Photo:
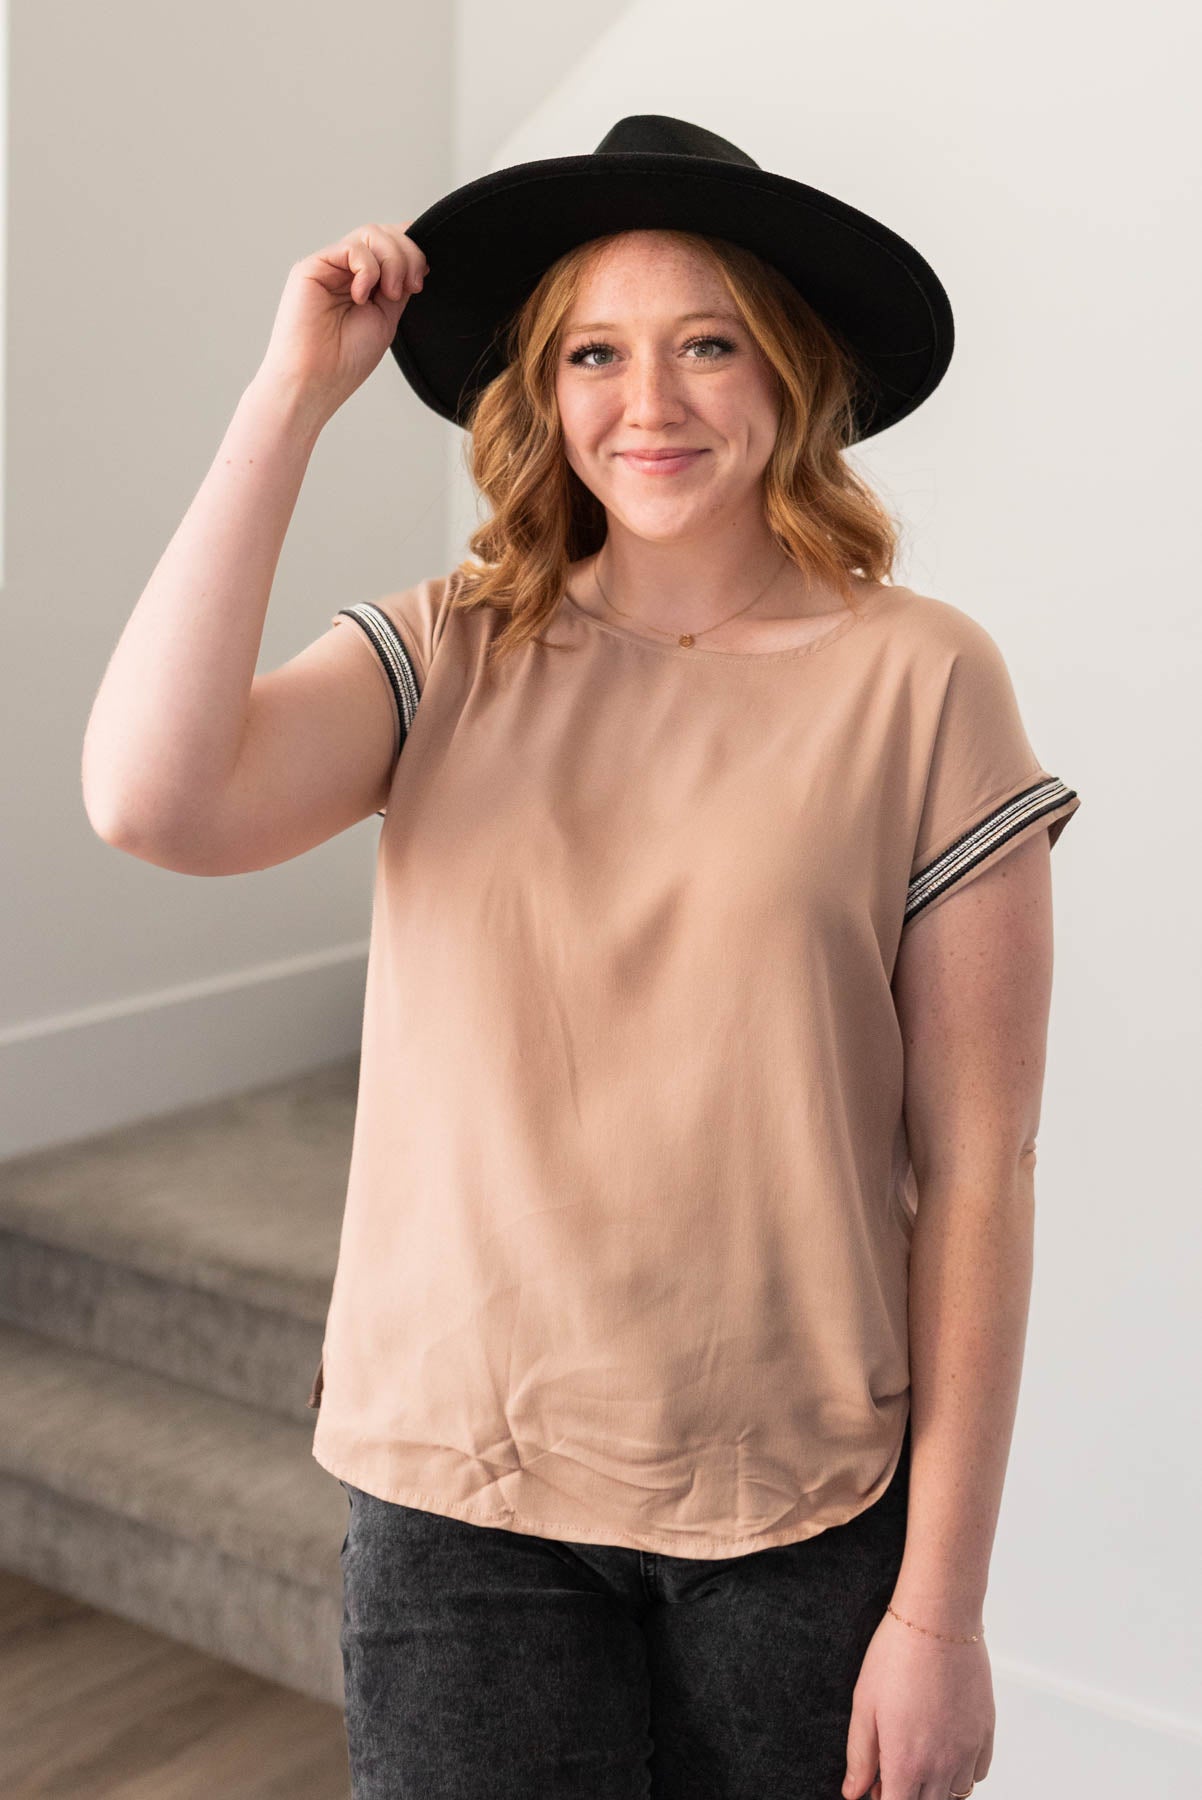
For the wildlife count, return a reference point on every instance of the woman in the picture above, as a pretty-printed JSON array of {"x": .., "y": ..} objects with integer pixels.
[{"x": 673, "y": 1352}]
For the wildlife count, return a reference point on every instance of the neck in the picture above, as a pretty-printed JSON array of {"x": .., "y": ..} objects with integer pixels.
[{"x": 685, "y": 588}]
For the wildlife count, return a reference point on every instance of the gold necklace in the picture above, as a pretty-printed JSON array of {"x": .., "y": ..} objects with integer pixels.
[{"x": 686, "y": 639}]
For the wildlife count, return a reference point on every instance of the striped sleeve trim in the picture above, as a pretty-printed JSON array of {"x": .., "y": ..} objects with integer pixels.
[
  {"x": 389, "y": 646},
  {"x": 982, "y": 839}
]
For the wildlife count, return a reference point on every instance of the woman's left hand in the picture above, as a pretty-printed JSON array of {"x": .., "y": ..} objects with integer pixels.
[{"x": 922, "y": 1717}]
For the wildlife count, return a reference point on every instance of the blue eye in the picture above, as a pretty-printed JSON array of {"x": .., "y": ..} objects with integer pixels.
[{"x": 577, "y": 356}]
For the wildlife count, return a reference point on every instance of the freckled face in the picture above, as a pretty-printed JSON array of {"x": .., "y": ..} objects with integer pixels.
[{"x": 654, "y": 357}]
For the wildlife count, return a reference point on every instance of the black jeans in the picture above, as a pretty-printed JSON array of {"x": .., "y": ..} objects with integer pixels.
[{"x": 486, "y": 1664}]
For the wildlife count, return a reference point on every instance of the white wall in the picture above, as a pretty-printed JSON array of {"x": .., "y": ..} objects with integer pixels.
[
  {"x": 1038, "y": 156},
  {"x": 168, "y": 164},
  {"x": 167, "y": 168}
]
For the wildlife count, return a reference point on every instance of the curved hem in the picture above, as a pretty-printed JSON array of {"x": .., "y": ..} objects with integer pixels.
[{"x": 702, "y": 1549}]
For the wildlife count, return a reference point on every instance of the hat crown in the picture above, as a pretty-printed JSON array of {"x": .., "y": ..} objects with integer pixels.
[{"x": 656, "y": 132}]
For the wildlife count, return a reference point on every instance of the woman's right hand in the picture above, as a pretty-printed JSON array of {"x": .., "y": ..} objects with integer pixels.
[{"x": 339, "y": 311}]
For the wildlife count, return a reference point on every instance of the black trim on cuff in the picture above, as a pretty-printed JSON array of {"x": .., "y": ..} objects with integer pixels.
[
  {"x": 389, "y": 646},
  {"x": 982, "y": 839}
]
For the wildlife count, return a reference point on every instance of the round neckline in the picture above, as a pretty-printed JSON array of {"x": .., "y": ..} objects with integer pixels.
[{"x": 697, "y": 651}]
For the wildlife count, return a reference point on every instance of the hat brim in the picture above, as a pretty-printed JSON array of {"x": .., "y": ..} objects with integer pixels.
[{"x": 488, "y": 244}]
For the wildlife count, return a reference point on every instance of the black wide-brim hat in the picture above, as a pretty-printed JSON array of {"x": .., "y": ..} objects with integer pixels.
[{"x": 489, "y": 242}]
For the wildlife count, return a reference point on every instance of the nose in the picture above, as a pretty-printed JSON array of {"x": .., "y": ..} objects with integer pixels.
[{"x": 652, "y": 394}]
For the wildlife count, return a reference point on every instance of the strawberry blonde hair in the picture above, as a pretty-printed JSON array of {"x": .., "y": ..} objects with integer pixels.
[{"x": 823, "y": 515}]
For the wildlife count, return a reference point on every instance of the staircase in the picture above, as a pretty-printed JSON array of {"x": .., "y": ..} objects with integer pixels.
[{"x": 163, "y": 1293}]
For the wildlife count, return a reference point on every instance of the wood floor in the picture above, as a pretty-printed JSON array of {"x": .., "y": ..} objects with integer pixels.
[{"x": 95, "y": 1708}]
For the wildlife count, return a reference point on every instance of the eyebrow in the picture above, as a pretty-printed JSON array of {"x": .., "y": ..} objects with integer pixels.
[{"x": 608, "y": 324}]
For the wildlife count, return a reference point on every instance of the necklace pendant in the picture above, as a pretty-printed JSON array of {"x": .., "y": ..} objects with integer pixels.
[{"x": 685, "y": 639}]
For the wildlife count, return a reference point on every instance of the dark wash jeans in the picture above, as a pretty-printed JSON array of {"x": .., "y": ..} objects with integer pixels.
[{"x": 487, "y": 1664}]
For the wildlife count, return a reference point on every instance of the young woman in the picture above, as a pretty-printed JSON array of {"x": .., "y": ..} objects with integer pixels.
[{"x": 674, "y": 1346}]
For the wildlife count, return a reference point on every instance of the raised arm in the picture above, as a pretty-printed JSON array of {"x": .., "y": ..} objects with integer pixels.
[{"x": 186, "y": 752}]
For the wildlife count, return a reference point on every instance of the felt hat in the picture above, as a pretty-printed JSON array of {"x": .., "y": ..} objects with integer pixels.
[{"x": 489, "y": 242}]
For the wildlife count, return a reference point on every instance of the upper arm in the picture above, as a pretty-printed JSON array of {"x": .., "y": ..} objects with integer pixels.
[
  {"x": 972, "y": 976},
  {"x": 972, "y": 987},
  {"x": 323, "y": 732}
]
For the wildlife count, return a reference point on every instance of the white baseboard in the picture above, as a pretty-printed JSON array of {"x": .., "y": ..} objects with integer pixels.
[
  {"x": 1061, "y": 1688},
  {"x": 77, "y": 1074},
  {"x": 1057, "y": 1736}
]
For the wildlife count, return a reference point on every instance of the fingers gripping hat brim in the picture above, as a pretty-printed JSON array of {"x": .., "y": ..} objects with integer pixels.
[{"x": 489, "y": 243}]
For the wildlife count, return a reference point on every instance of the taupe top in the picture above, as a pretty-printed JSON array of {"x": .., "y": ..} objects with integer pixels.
[{"x": 625, "y": 1249}]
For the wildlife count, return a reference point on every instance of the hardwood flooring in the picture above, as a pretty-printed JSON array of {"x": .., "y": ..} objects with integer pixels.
[{"x": 96, "y": 1708}]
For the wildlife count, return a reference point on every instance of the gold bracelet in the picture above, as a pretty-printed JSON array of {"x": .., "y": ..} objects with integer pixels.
[{"x": 976, "y": 1636}]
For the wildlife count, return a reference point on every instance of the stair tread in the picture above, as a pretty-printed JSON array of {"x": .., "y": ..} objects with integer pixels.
[
  {"x": 242, "y": 1196},
  {"x": 188, "y": 1463}
]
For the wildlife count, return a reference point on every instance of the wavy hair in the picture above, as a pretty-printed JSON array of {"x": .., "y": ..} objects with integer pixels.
[{"x": 823, "y": 515}]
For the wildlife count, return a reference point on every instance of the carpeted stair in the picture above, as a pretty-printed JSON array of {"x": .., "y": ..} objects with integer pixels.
[{"x": 163, "y": 1293}]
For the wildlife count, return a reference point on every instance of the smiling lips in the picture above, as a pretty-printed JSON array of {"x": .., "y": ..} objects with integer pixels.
[{"x": 661, "y": 462}]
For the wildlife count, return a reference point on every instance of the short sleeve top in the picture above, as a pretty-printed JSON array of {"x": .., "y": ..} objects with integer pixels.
[{"x": 624, "y": 1256}]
